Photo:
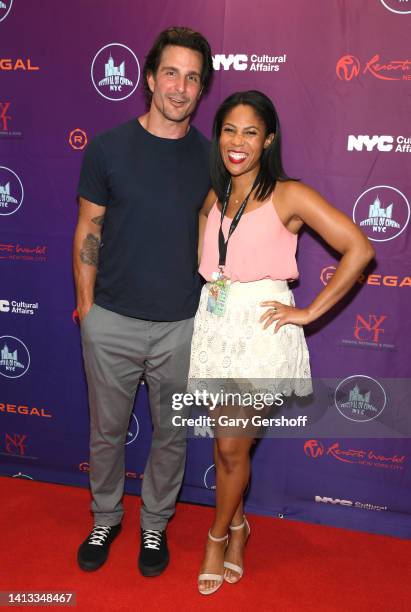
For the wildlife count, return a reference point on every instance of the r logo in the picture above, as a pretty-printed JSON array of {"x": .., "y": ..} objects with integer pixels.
[
  {"x": 347, "y": 67},
  {"x": 78, "y": 139}
]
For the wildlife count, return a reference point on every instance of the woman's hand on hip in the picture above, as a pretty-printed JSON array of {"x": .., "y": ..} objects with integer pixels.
[{"x": 283, "y": 314}]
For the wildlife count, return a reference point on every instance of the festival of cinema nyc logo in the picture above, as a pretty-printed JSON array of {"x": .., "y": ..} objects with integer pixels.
[
  {"x": 14, "y": 357},
  {"x": 360, "y": 398},
  {"x": 115, "y": 72},
  {"x": 348, "y": 67},
  {"x": 5, "y": 6},
  {"x": 401, "y": 7},
  {"x": 382, "y": 212},
  {"x": 11, "y": 191}
]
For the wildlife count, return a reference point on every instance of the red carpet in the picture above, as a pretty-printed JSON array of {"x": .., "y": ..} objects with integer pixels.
[{"x": 290, "y": 566}]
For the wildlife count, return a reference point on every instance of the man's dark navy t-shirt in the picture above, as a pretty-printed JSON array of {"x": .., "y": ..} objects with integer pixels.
[{"x": 152, "y": 189}]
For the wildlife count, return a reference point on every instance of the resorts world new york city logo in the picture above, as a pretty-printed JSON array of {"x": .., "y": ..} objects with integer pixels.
[
  {"x": 11, "y": 191},
  {"x": 115, "y": 72},
  {"x": 354, "y": 455},
  {"x": 5, "y": 7},
  {"x": 349, "y": 68}
]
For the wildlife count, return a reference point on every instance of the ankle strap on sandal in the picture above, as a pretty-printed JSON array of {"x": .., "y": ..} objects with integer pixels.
[
  {"x": 236, "y": 527},
  {"x": 217, "y": 539}
]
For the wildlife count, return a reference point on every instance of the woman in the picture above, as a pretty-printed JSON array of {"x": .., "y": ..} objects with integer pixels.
[{"x": 247, "y": 326}]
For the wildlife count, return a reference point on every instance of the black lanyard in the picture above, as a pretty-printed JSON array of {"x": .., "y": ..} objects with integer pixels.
[{"x": 222, "y": 243}]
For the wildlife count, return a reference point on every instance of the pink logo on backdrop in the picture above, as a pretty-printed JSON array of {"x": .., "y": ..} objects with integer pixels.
[
  {"x": 398, "y": 6},
  {"x": 382, "y": 212},
  {"x": 349, "y": 67},
  {"x": 314, "y": 449}
]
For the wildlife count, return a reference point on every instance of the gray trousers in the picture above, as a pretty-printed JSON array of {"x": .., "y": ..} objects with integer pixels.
[{"x": 117, "y": 351}]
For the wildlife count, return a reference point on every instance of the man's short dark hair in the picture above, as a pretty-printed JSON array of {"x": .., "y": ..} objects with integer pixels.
[{"x": 181, "y": 37}]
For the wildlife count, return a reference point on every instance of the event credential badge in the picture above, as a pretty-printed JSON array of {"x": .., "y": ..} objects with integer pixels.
[{"x": 218, "y": 294}]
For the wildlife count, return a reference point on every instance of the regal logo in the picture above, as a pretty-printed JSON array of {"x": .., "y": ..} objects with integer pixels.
[
  {"x": 24, "y": 410},
  {"x": 376, "y": 280},
  {"x": 9, "y": 64}
]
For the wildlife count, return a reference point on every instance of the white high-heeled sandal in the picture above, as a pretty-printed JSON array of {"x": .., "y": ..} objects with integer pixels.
[
  {"x": 218, "y": 577},
  {"x": 233, "y": 566}
]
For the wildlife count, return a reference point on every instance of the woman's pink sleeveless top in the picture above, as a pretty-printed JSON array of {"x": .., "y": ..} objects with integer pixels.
[{"x": 260, "y": 247}]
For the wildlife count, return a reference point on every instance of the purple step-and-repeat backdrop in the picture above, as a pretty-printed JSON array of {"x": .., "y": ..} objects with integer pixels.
[{"x": 339, "y": 72}]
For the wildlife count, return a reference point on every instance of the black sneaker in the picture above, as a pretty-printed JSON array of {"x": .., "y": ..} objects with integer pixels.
[
  {"x": 94, "y": 550},
  {"x": 154, "y": 557}
]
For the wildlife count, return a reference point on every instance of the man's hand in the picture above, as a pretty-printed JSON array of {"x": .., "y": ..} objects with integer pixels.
[{"x": 83, "y": 311}]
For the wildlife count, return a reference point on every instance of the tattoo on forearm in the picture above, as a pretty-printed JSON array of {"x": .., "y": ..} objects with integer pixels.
[
  {"x": 89, "y": 252},
  {"x": 98, "y": 220}
]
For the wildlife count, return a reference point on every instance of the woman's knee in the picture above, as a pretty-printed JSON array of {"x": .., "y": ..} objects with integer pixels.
[{"x": 232, "y": 453}]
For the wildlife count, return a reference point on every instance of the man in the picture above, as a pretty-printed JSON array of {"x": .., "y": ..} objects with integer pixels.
[{"x": 135, "y": 265}]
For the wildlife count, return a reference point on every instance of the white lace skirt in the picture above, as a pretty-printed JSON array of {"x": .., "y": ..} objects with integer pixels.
[{"x": 235, "y": 345}]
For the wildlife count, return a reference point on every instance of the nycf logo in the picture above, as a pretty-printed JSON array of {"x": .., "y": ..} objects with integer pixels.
[
  {"x": 5, "y": 6},
  {"x": 11, "y": 191},
  {"x": 15, "y": 444},
  {"x": 349, "y": 67},
  {"x": 360, "y": 398},
  {"x": 78, "y": 139},
  {"x": 115, "y": 72},
  {"x": 381, "y": 143},
  {"x": 382, "y": 212},
  {"x": 4, "y": 116},
  {"x": 401, "y": 7},
  {"x": 14, "y": 357},
  {"x": 369, "y": 329}
]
